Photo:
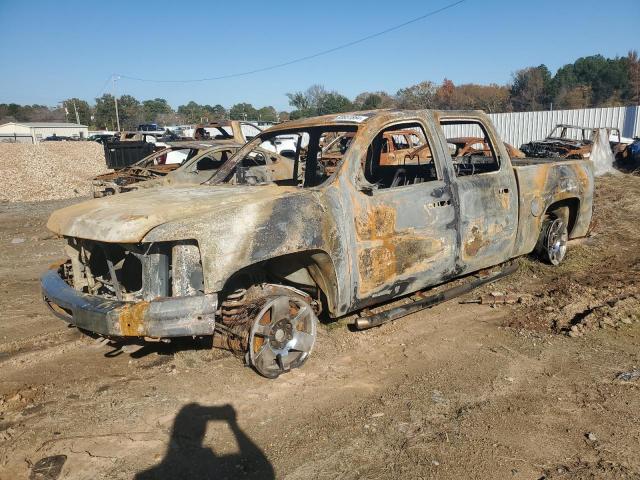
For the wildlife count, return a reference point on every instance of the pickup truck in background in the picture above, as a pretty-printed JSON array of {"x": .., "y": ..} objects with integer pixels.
[
  {"x": 253, "y": 263},
  {"x": 151, "y": 128}
]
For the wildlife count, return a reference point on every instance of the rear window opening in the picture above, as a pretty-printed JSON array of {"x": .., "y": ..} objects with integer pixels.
[{"x": 470, "y": 146}]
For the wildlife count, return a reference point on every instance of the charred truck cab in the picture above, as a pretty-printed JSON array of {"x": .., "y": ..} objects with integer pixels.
[{"x": 374, "y": 206}]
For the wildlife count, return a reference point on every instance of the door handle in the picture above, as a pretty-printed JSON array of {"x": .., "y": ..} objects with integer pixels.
[
  {"x": 441, "y": 203},
  {"x": 503, "y": 190}
]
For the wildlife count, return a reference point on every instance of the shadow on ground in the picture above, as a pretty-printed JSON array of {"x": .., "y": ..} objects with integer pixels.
[{"x": 188, "y": 458}]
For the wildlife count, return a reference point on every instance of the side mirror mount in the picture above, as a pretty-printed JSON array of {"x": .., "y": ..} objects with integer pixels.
[{"x": 367, "y": 188}]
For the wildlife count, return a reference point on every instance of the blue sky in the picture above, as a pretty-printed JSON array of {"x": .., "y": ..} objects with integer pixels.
[{"x": 50, "y": 51}]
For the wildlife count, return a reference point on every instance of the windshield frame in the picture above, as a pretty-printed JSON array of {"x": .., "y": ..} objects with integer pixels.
[
  {"x": 227, "y": 169},
  {"x": 565, "y": 129},
  {"x": 190, "y": 161}
]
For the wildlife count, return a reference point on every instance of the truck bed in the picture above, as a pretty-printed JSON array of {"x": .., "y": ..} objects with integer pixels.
[
  {"x": 523, "y": 162},
  {"x": 546, "y": 181}
]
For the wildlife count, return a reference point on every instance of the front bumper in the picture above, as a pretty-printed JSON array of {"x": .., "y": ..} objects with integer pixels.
[{"x": 161, "y": 318}]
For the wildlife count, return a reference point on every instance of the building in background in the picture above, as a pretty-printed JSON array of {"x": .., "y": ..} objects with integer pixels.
[{"x": 34, "y": 132}]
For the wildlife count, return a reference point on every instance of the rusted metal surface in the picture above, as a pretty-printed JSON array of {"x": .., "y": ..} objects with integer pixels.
[{"x": 366, "y": 230}]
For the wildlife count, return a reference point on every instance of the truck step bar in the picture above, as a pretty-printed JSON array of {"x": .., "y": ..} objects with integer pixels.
[{"x": 377, "y": 319}]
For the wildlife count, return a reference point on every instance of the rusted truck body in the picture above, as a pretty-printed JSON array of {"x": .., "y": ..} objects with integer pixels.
[{"x": 255, "y": 264}]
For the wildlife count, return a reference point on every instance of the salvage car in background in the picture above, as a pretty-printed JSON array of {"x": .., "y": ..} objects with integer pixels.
[
  {"x": 130, "y": 147},
  {"x": 253, "y": 262},
  {"x": 260, "y": 166},
  {"x": 158, "y": 164},
  {"x": 100, "y": 138},
  {"x": 572, "y": 141},
  {"x": 59, "y": 138}
]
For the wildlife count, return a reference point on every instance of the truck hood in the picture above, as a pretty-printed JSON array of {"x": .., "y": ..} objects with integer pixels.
[{"x": 128, "y": 218}]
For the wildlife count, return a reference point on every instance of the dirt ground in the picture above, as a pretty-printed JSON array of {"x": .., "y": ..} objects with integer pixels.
[{"x": 524, "y": 391}]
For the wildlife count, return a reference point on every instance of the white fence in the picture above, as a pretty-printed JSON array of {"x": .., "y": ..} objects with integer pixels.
[{"x": 522, "y": 127}]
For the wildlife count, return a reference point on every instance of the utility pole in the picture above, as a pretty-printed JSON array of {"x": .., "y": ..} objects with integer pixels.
[
  {"x": 76, "y": 109},
  {"x": 115, "y": 99},
  {"x": 64, "y": 107}
]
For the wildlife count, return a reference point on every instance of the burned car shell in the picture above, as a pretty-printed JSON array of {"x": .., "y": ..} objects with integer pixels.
[
  {"x": 227, "y": 133},
  {"x": 561, "y": 145},
  {"x": 361, "y": 246},
  {"x": 152, "y": 166}
]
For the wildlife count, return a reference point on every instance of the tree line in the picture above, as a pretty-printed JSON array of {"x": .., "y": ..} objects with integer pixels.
[
  {"x": 132, "y": 112},
  {"x": 594, "y": 81}
]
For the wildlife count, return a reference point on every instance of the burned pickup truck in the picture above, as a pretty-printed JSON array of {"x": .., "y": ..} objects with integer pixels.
[{"x": 255, "y": 263}]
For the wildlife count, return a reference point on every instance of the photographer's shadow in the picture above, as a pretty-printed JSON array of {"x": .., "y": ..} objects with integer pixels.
[{"x": 188, "y": 458}]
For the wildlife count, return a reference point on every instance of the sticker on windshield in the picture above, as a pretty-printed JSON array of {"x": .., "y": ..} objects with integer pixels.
[{"x": 351, "y": 118}]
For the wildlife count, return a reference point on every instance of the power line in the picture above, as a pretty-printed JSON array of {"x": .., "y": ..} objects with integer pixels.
[
  {"x": 307, "y": 57},
  {"x": 104, "y": 87}
]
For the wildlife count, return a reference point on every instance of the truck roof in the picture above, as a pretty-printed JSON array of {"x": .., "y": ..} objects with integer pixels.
[{"x": 359, "y": 118}]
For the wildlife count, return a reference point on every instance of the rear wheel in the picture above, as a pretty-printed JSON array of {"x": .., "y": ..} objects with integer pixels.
[{"x": 552, "y": 243}]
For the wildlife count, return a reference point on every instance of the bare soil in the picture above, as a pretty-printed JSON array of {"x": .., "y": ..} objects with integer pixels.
[{"x": 456, "y": 391}]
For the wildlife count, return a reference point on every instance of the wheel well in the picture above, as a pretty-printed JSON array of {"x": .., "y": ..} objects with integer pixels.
[
  {"x": 310, "y": 271},
  {"x": 567, "y": 210}
]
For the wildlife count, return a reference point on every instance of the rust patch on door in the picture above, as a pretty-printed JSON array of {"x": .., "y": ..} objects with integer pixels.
[
  {"x": 377, "y": 266},
  {"x": 378, "y": 223},
  {"x": 473, "y": 246}
]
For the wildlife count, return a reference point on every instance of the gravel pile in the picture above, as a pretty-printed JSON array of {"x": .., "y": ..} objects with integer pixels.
[{"x": 48, "y": 171}]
